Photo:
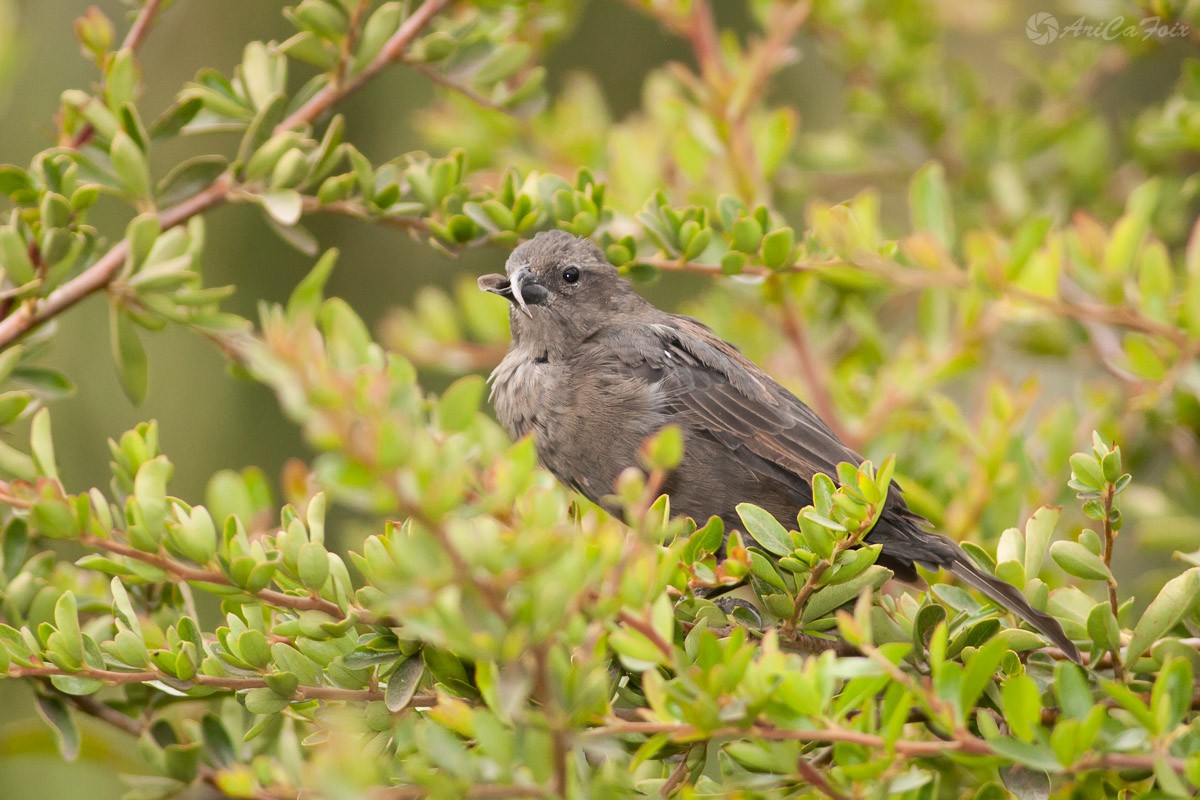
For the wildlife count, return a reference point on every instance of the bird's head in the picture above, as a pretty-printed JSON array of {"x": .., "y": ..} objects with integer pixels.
[{"x": 556, "y": 279}]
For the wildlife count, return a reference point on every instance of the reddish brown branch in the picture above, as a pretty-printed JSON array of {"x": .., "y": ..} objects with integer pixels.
[
  {"x": 141, "y": 25},
  {"x": 962, "y": 742},
  {"x": 814, "y": 374},
  {"x": 646, "y": 629},
  {"x": 323, "y": 100},
  {"x": 103, "y": 271},
  {"x": 230, "y": 684}
]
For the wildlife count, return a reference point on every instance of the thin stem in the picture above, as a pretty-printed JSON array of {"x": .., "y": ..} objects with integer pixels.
[
  {"x": 133, "y": 39},
  {"x": 141, "y": 25},
  {"x": 962, "y": 742},
  {"x": 1110, "y": 536},
  {"x": 814, "y": 373},
  {"x": 103, "y": 271},
  {"x": 350, "y": 41},
  {"x": 678, "y": 775},
  {"x": 195, "y": 574},
  {"x": 466, "y": 91},
  {"x": 817, "y": 779},
  {"x": 476, "y": 792},
  {"x": 646, "y": 629},
  {"x": 230, "y": 684},
  {"x": 559, "y": 732},
  {"x": 331, "y": 94}
]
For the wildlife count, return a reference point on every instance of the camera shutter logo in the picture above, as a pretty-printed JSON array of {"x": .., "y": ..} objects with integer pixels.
[{"x": 1042, "y": 28}]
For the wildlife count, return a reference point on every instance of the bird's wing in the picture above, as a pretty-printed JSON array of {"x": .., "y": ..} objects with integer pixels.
[{"x": 706, "y": 381}]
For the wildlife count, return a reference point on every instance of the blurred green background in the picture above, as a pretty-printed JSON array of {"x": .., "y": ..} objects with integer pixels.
[{"x": 212, "y": 422}]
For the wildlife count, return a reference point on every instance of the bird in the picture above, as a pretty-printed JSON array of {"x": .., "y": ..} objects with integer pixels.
[{"x": 593, "y": 369}]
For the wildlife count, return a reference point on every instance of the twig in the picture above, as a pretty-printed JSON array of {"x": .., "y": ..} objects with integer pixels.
[
  {"x": 103, "y": 271},
  {"x": 230, "y": 684},
  {"x": 110, "y": 716},
  {"x": 461, "y": 88},
  {"x": 477, "y": 792},
  {"x": 321, "y": 102},
  {"x": 962, "y": 742},
  {"x": 814, "y": 374},
  {"x": 141, "y": 25},
  {"x": 646, "y": 629},
  {"x": 133, "y": 39},
  {"x": 677, "y": 776},
  {"x": 559, "y": 733},
  {"x": 1110, "y": 536},
  {"x": 350, "y": 41},
  {"x": 186, "y": 573},
  {"x": 817, "y": 779}
]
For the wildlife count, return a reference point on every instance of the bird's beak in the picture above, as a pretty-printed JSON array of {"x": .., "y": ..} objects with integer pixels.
[{"x": 522, "y": 288}]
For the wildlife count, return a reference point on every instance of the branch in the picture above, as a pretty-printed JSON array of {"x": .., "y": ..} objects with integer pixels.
[
  {"x": 962, "y": 742},
  {"x": 476, "y": 792},
  {"x": 646, "y": 629},
  {"x": 186, "y": 573},
  {"x": 1075, "y": 305},
  {"x": 141, "y": 25},
  {"x": 101, "y": 273},
  {"x": 229, "y": 684},
  {"x": 466, "y": 91},
  {"x": 331, "y": 94},
  {"x": 133, "y": 39},
  {"x": 1110, "y": 536},
  {"x": 350, "y": 41},
  {"x": 810, "y": 366},
  {"x": 817, "y": 778}
]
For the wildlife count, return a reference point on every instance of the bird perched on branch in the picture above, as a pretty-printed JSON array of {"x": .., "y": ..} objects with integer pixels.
[{"x": 594, "y": 369}]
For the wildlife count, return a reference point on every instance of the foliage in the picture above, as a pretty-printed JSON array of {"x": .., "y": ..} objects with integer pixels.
[{"x": 495, "y": 635}]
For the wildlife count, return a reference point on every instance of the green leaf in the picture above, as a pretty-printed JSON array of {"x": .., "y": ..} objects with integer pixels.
[
  {"x": 1177, "y": 596},
  {"x": 1102, "y": 627},
  {"x": 929, "y": 204},
  {"x": 285, "y": 205},
  {"x": 42, "y": 445},
  {"x": 130, "y": 164},
  {"x": 460, "y": 402},
  {"x": 1171, "y": 697},
  {"x": 121, "y": 79},
  {"x": 1086, "y": 470},
  {"x": 217, "y": 740},
  {"x": 1039, "y": 530},
  {"x": 1035, "y": 756},
  {"x": 1077, "y": 560},
  {"x": 831, "y": 597},
  {"x": 14, "y": 257},
  {"x": 1021, "y": 701},
  {"x": 980, "y": 671},
  {"x": 66, "y": 621},
  {"x": 12, "y": 405},
  {"x": 189, "y": 177},
  {"x": 313, "y": 565},
  {"x": 765, "y": 529},
  {"x": 56, "y": 714},
  {"x": 402, "y": 684},
  {"x": 664, "y": 450},
  {"x": 264, "y": 701},
  {"x": 777, "y": 247},
  {"x": 133, "y": 368}
]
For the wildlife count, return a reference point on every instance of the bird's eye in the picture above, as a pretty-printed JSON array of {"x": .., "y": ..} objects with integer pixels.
[{"x": 571, "y": 274}]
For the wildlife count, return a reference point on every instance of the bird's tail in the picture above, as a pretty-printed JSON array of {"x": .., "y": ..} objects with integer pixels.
[{"x": 1007, "y": 595}]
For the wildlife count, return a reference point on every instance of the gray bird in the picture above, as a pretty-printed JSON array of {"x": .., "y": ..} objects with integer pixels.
[{"x": 594, "y": 369}]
